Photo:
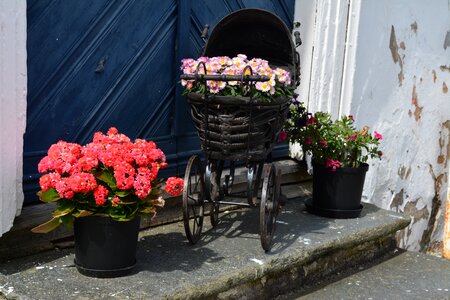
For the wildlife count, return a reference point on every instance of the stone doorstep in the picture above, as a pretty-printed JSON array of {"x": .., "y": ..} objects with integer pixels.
[
  {"x": 227, "y": 263},
  {"x": 20, "y": 241}
]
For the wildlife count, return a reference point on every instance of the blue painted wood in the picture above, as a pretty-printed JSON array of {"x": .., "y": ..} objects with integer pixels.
[{"x": 94, "y": 64}]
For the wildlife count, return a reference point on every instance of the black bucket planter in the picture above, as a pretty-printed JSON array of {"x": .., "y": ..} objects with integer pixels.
[
  {"x": 337, "y": 194},
  {"x": 104, "y": 247}
]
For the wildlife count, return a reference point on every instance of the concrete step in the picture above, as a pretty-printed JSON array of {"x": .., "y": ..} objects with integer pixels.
[
  {"x": 227, "y": 263},
  {"x": 404, "y": 276}
]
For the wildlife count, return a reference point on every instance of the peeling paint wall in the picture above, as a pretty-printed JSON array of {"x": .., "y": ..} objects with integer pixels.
[
  {"x": 400, "y": 88},
  {"x": 13, "y": 93},
  {"x": 393, "y": 76}
]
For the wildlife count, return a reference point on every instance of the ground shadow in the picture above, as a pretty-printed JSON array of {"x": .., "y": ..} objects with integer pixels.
[
  {"x": 292, "y": 223},
  {"x": 171, "y": 251}
]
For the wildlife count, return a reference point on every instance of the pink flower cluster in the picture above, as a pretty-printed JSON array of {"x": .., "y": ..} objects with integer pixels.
[
  {"x": 79, "y": 169},
  {"x": 174, "y": 186},
  {"x": 224, "y": 65},
  {"x": 333, "y": 164}
]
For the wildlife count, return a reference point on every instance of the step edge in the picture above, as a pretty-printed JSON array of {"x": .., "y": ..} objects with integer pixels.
[{"x": 294, "y": 259}]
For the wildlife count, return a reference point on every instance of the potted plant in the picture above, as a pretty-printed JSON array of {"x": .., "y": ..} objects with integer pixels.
[
  {"x": 277, "y": 84},
  {"x": 339, "y": 153},
  {"x": 236, "y": 99},
  {"x": 103, "y": 188}
]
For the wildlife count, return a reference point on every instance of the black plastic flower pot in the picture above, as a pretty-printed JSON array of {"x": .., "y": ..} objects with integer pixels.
[
  {"x": 337, "y": 194},
  {"x": 104, "y": 247}
]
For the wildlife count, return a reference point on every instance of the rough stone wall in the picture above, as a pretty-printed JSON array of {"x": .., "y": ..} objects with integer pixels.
[{"x": 400, "y": 88}]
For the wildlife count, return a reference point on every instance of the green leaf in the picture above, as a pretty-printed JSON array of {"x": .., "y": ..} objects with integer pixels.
[
  {"x": 47, "y": 226},
  {"x": 148, "y": 210},
  {"x": 117, "y": 215},
  {"x": 122, "y": 193},
  {"x": 62, "y": 211},
  {"x": 124, "y": 218},
  {"x": 50, "y": 195},
  {"x": 82, "y": 213},
  {"x": 108, "y": 178},
  {"x": 67, "y": 220},
  {"x": 124, "y": 214}
]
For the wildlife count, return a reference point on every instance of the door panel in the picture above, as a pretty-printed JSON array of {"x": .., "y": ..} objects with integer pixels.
[{"x": 94, "y": 64}]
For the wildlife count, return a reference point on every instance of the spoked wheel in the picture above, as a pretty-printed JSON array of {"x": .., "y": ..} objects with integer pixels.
[
  {"x": 268, "y": 210},
  {"x": 213, "y": 175},
  {"x": 193, "y": 199}
]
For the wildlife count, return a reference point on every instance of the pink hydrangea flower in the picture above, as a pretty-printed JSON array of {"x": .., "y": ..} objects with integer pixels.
[
  {"x": 82, "y": 182},
  {"x": 49, "y": 181},
  {"x": 100, "y": 195},
  {"x": 63, "y": 189},
  {"x": 174, "y": 186}
]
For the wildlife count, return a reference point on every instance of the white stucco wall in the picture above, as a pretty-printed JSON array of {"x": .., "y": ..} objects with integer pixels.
[
  {"x": 13, "y": 90},
  {"x": 395, "y": 75},
  {"x": 400, "y": 88}
]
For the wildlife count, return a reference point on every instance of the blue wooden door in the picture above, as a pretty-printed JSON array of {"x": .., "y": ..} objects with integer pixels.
[{"x": 93, "y": 64}]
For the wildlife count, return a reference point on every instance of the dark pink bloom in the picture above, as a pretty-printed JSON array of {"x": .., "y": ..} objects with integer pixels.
[
  {"x": 323, "y": 144},
  {"x": 282, "y": 136},
  {"x": 353, "y": 137},
  {"x": 115, "y": 201},
  {"x": 378, "y": 136},
  {"x": 333, "y": 164},
  {"x": 310, "y": 120},
  {"x": 308, "y": 140}
]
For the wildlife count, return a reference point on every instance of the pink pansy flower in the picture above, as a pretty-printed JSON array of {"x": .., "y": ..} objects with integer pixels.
[{"x": 223, "y": 65}]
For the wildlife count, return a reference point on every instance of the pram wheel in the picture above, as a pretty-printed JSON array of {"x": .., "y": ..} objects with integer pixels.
[
  {"x": 268, "y": 210},
  {"x": 213, "y": 176},
  {"x": 193, "y": 199}
]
